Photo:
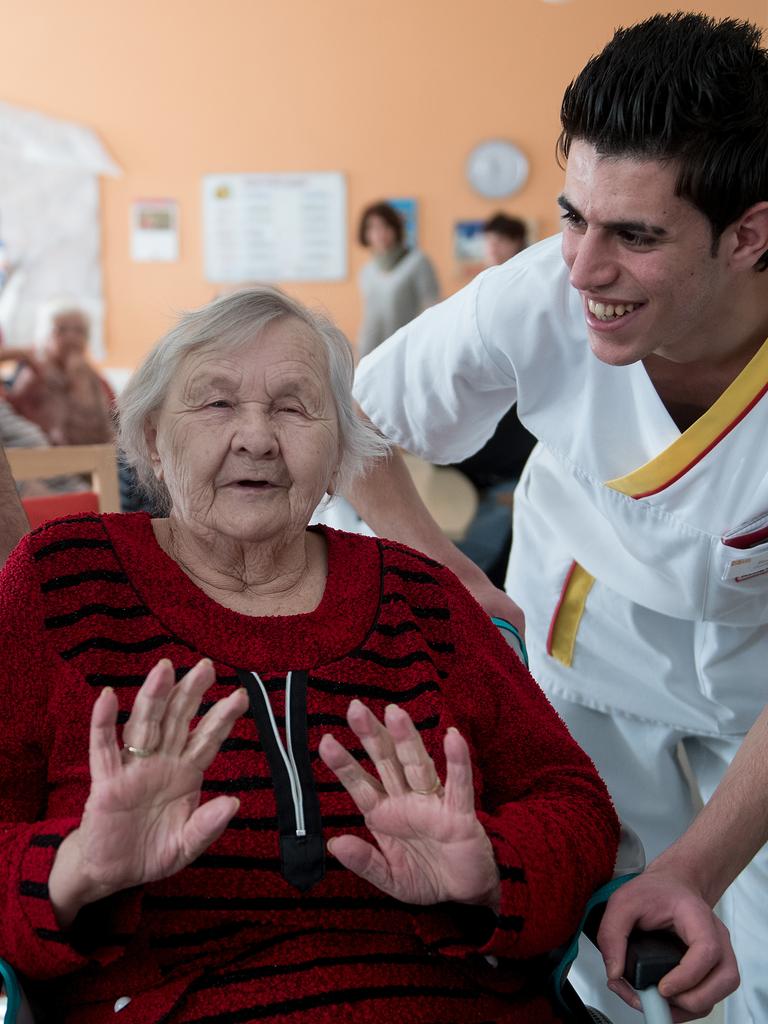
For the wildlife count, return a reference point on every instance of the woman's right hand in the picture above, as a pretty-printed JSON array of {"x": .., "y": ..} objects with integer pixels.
[{"x": 143, "y": 819}]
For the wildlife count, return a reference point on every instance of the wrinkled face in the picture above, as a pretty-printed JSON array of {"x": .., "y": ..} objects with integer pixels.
[
  {"x": 500, "y": 248},
  {"x": 69, "y": 334},
  {"x": 642, "y": 260},
  {"x": 379, "y": 235},
  {"x": 247, "y": 440}
]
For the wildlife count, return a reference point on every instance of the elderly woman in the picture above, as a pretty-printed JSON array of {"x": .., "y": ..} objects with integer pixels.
[
  {"x": 60, "y": 391},
  {"x": 317, "y": 785}
]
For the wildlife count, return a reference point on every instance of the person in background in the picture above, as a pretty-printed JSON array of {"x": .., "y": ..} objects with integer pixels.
[
  {"x": 18, "y": 432},
  {"x": 397, "y": 283},
  {"x": 503, "y": 238},
  {"x": 60, "y": 391}
]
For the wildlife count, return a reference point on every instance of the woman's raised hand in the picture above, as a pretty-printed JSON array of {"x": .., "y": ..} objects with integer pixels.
[
  {"x": 143, "y": 819},
  {"x": 431, "y": 845}
]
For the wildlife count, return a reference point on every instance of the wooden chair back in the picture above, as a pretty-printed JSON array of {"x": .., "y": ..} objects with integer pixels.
[{"x": 99, "y": 461}]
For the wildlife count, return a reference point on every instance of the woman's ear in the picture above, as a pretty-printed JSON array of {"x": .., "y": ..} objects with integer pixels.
[
  {"x": 150, "y": 436},
  {"x": 331, "y": 488},
  {"x": 750, "y": 239}
]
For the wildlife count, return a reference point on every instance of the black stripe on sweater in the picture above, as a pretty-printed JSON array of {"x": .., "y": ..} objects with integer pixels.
[
  {"x": 408, "y": 626},
  {"x": 87, "y": 517},
  {"x": 442, "y": 614},
  {"x": 39, "y": 890},
  {"x": 404, "y": 661},
  {"x": 440, "y": 647},
  {"x": 47, "y": 839},
  {"x": 236, "y": 743},
  {"x": 420, "y": 611},
  {"x": 418, "y": 556},
  {"x": 323, "y": 720},
  {"x": 242, "y": 784},
  {"x": 201, "y": 936},
  {"x": 277, "y": 903},
  {"x": 253, "y": 948},
  {"x": 369, "y": 690},
  {"x": 135, "y": 611},
  {"x": 124, "y": 680},
  {"x": 108, "y": 643},
  {"x": 75, "y": 579},
  {"x": 335, "y": 998},
  {"x": 50, "y": 935},
  {"x": 512, "y": 874},
  {"x": 72, "y": 543},
  {"x": 410, "y": 575},
  {"x": 270, "y": 970}
]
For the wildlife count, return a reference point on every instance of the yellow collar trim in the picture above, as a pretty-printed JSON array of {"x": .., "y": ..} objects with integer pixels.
[{"x": 695, "y": 442}]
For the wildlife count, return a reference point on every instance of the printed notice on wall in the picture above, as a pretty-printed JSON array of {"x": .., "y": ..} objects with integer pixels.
[
  {"x": 275, "y": 227},
  {"x": 154, "y": 231}
]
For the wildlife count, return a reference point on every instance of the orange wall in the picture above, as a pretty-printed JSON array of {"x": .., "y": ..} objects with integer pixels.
[{"x": 392, "y": 92}]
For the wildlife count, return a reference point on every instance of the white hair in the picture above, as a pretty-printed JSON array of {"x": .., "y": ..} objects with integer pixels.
[
  {"x": 92, "y": 310},
  {"x": 62, "y": 305},
  {"x": 229, "y": 322}
]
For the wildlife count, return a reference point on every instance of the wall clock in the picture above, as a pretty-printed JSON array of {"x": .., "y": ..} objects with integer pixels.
[{"x": 496, "y": 168}]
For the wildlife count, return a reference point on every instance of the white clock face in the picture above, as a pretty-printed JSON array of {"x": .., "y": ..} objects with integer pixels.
[{"x": 497, "y": 168}]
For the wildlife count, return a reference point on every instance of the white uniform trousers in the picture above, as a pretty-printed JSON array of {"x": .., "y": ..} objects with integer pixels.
[{"x": 637, "y": 759}]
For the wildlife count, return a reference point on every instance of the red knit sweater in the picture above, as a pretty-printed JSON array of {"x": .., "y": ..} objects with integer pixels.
[{"x": 91, "y": 601}]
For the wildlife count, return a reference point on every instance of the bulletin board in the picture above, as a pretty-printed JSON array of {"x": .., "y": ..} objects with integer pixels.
[{"x": 275, "y": 227}]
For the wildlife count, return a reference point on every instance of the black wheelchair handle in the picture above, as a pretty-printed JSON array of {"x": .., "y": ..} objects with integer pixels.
[{"x": 651, "y": 955}]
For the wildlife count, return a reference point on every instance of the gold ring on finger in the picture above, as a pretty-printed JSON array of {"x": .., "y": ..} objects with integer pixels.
[
  {"x": 428, "y": 792},
  {"x": 138, "y": 751}
]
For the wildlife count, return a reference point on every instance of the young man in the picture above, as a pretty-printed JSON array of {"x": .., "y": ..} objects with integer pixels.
[{"x": 635, "y": 349}]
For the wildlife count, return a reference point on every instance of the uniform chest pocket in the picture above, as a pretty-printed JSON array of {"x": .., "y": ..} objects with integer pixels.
[{"x": 737, "y": 587}]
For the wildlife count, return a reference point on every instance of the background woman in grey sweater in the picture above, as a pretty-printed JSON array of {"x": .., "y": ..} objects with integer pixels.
[{"x": 397, "y": 284}]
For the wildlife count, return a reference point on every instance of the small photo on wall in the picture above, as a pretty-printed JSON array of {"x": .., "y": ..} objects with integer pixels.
[
  {"x": 154, "y": 231},
  {"x": 468, "y": 242},
  {"x": 409, "y": 211}
]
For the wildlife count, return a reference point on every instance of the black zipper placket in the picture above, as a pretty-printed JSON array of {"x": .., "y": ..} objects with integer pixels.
[{"x": 302, "y": 850}]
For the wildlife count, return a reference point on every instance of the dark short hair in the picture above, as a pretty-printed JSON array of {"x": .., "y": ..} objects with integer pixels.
[
  {"x": 508, "y": 227},
  {"x": 388, "y": 214},
  {"x": 683, "y": 88}
]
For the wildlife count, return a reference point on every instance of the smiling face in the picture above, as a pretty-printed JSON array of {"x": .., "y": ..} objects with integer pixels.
[
  {"x": 247, "y": 440},
  {"x": 642, "y": 260}
]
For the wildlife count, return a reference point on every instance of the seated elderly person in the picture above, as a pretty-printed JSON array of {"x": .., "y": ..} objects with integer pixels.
[
  {"x": 59, "y": 390},
  {"x": 316, "y": 785}
]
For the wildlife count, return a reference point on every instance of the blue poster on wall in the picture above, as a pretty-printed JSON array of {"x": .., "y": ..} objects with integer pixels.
[{"x": 408, "y": 210}]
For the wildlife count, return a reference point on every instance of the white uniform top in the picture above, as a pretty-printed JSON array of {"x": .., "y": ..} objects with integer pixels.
[{"x": 674, "y": 628}]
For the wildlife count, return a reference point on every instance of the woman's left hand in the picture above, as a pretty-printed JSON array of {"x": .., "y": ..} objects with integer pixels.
[{"x": 431, "y": 845}]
